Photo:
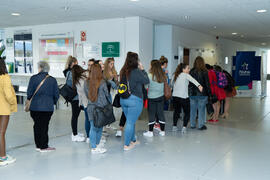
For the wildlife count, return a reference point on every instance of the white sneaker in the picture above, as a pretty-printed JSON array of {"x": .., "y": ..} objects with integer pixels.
[
  {"x": 148, "y": 134},
  {"x": 103, "y": 139},
  {"x": 80, "y": 134},
  {"x": 77, "y": 138},
  {"x": 184, "y": 130},
  {"x": 118, "y": 133},
  {"x": 162, "y": 133},
  {"x": 98, "y": 150},
  {"x": 7, "y": 160},
  {"x": 100, "y": 145},
  {"x": 174, "y": 128},
  {"x": 87, "y": 140}
]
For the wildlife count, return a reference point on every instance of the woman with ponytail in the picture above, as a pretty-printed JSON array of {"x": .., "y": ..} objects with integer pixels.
[{"x": 180, "y": 94}]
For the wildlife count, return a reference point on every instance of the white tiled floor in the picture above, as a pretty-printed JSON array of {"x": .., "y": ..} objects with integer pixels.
[{"x": 234, "y": 149}]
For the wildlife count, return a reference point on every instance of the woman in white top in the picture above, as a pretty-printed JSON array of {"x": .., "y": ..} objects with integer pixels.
[
  {"x": 180, "y": 94},
  {"x": 79, "y": 76}
]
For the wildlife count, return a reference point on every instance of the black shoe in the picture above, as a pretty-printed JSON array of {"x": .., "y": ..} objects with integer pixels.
[
  {"x": 192, "y": 127},
  {"x": 203, "y": 127}
]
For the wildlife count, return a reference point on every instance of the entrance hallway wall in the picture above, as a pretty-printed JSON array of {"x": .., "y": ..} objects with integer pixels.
[
  {"x": 131, "y": 32},
  {"x": 167, "y": 38}
]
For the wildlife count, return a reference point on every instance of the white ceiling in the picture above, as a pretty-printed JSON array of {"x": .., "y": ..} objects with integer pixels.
[{"x": 227, "y": 15}]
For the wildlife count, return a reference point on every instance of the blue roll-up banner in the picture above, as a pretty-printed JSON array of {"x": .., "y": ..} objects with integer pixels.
[
  {"x": 243, "y": 68},
  {"x": 256, "y": 72},
  {"x": 233, "y": 66}
]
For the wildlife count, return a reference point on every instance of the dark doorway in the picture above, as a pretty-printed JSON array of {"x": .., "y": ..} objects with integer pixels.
[{"x": 186, "y": 55}]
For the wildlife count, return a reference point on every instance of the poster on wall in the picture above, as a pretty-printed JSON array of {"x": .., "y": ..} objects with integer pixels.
[
  {"x": 56, "y": 51},
  {"x": 111, "y": 49},
  {"x": 92, "y": 51}
]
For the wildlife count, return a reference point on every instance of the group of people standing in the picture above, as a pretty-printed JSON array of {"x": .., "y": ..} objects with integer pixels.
[{"x": 191, "y": 91}]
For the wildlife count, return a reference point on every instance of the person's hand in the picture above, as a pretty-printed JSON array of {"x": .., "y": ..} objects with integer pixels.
[
  {"x": 140, "y": 66},
  {"x": 200, "y": 88}
]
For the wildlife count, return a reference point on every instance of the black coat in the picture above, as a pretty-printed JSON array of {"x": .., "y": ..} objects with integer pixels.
[{"x": 202, "y": 78}]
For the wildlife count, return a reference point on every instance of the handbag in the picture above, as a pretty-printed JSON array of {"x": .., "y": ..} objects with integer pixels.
[
  {"x": 167, "y": 91},
  {"x": 67, "y": 92},
  {"x": 103, "y": 116},
  {"x": 116, "y": 101},
  {"x": 28, "y": 102}
]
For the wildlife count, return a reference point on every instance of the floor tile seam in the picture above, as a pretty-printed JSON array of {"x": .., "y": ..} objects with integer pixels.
[
  {"x": 222, "y": 156},
  {"x": 257, "y": 123},
  {"x": 30, "y": 144}
]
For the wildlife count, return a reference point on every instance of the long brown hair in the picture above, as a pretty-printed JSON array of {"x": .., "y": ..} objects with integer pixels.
[
  {"x": 131, "y": 63},
  {"x": 199, "y": 64},
  {"x": 179, "y": 70},
  {"x": 3, "y": 68},
  {"x": 163, "y": 60},
  {"x": 157, "y": 72},
  {"x": 107, "y": 69},
  {"x": 94, "y": 80},
  {"x": 77, "y": 73}
]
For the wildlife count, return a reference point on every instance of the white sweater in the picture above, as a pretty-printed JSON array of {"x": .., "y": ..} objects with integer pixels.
[{"x": 180, "y": 87}]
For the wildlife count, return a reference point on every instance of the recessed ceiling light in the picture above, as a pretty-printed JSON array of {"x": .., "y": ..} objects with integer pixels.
[
  {"x": 15, "y": 14},
  {"x": 66, "y": 8},
  {"x": 261, "y": 10},
  {"x": 234, "y": 33},
  {"x": 263, "y": 44},
  {"x": 215, "y": 27},
  {"x": 134, "y": 0}
]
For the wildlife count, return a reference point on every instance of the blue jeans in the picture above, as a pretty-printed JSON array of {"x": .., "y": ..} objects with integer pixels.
[
  {"x": 132, "y": 108},
  {"x": 95, "y": 134},
  {"x": 87, "y": 123},
  {"x": 198, "y": 103}
]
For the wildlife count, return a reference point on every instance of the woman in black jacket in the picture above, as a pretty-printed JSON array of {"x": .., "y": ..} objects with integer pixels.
[{"x": 198, "y": 100}]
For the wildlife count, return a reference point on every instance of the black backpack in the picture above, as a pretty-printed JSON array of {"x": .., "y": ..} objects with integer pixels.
[{"x": 124, "y": 89}]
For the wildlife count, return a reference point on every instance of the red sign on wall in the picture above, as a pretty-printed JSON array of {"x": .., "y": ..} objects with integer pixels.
[{"x": 83, "y": 36}]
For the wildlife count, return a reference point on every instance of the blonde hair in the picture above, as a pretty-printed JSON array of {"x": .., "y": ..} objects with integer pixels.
[
  {"x": 69, "y": 62},
  {"x": 106, "y": 72}
]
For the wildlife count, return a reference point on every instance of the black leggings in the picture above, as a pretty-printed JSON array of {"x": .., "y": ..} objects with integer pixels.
[
  {"x": 75, "y": 115},
  {"x": 123, "y": 120},
  {"x": 178, "y": 104},
  {"x": 156, "y": 112}
]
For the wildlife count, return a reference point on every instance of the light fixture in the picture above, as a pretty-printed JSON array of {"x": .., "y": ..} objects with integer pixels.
[
  {"x": 215, "y": 27},
  {"x": 134, "y": 0},
  {"x": 242, "y": 36},
  {"x": 261, "y": 10},
  {"x": 234, "y": 33},
  {"x": 15, "y": 14},
  {"x": 263, "y": 44},
  {"x": 66, "y": 8}
]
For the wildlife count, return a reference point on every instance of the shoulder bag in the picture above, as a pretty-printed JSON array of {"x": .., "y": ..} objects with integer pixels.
[
  {"x": 28, "y": 102},
  {"x": 67, "y": 92},
  {"x": 103, "y": 116},
  {"x": 167, "y": 91}
]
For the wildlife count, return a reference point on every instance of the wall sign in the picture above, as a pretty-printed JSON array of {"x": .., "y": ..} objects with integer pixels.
[
  {"x": 111, "y": 49},
  {"x": 83, "y": 35}
]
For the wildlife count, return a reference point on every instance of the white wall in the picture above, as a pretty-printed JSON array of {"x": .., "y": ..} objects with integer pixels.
[
  {"x": 146, "y": 42},
  {"x": 163, "y": 44}
]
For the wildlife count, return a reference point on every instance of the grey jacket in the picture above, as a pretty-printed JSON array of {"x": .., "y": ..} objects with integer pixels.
[{"x": 102, "y": 100}]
